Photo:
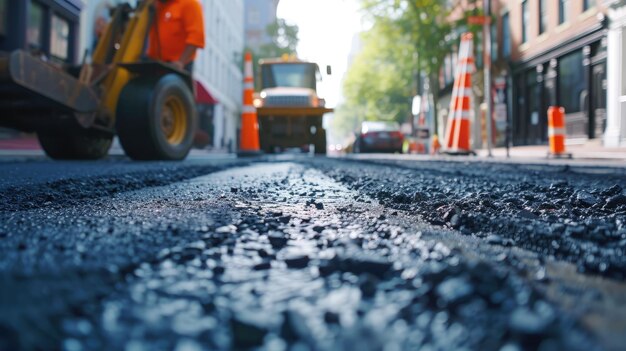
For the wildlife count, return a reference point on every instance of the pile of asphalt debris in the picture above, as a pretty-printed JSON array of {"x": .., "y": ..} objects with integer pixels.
[{"x": 580, "y": 218}]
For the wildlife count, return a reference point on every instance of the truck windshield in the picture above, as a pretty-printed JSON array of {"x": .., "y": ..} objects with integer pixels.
[{"x": 296, "y": 75}]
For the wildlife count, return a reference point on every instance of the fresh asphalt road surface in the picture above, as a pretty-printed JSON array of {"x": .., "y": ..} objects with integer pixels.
[{"x": 299, "y": 253}]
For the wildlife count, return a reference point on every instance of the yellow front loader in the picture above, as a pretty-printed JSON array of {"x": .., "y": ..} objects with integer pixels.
[{"x": 77, "y": 110}]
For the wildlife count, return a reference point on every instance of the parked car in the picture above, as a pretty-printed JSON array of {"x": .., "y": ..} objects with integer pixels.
[{"x": 379, "y": 136}]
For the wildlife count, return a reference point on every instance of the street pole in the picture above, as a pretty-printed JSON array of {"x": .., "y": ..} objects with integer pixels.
[{"x": 487, "y": 68}]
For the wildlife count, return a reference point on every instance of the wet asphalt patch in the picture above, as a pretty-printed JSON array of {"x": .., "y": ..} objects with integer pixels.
[{"x": 272, "y": 256}]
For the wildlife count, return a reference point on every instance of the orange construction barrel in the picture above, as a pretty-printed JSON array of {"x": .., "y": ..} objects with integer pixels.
[{"x": 556, "y": 131}]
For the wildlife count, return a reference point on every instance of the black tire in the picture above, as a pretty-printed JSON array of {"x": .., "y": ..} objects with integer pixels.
[
  {"x": 146, "y": 108},
  {"x": 74, "y": 146},
  {"x": 320, "y": 142}
]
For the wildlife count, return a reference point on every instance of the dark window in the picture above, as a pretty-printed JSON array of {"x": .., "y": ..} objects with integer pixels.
[
  {"x": 564, "y": 11},
  {"x": 59, "y": 38},
  {"x": 4, "y": 4},
  {"x": 296, "y": 75},
  {"x": 506, "y": 36},
  {"x": 571, "y": 82},
  {"x": 494, "y": 42},
  {"x": 525, "y": 21},
  {"x": 587, "y": 4},
  {"x": 543, "y": 16},
  {"x": 532, "y": 103},
  {"x": 36, "y": 26}
]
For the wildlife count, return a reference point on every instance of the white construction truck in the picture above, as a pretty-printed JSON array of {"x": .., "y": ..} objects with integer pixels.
[{"x": 289, "y": 110}]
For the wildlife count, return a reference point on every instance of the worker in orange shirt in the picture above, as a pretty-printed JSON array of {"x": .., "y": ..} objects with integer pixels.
[{"x": 177, "y": 32}]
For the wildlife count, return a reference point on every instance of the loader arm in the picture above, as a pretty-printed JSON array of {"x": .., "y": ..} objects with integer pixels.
[{"x": 131, "y": 50}]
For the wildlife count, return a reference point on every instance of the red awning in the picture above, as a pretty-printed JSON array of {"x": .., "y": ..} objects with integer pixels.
[{"x": 203, "y": 96}]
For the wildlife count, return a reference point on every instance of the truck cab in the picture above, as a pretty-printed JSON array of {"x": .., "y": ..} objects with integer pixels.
[{"x": 289, "y": 109}]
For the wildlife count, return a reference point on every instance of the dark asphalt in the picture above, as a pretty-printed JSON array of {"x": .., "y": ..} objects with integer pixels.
[{"x": 310, "y": 254}]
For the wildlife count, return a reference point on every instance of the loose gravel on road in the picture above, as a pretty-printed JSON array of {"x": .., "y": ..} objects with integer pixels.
[{"x": 576, "y": 217}]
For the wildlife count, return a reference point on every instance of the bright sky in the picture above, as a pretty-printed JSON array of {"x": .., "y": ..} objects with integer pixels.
[{"x": 326, "y": 31}]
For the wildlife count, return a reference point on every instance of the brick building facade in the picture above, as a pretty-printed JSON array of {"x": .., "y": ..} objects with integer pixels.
[
  {"x": 558, "y": 53},
  {"x": 544, "y": 52}
]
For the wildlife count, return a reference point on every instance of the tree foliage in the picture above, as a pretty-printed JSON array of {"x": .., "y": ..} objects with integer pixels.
[
  {"x": 409, "y": 37},
  {"x": 284, "y": 40},
  {"x": 379, "y": 83}
]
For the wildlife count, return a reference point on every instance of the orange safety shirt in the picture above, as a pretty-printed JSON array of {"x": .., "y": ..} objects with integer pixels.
[{"x": 178, "y": 23}]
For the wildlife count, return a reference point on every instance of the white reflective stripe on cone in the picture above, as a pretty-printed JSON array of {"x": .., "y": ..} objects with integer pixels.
[
  {"x": 249, "y": 109},
  {"x": 248, "y": 85},
  {"x": 464, "y": 92},
  {"x": 461, "y": 115},
  {"x": 248, "y": 69},
  {"x": 556, "y": 131}
]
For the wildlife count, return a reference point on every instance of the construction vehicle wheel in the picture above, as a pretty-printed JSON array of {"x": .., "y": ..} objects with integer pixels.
[
  {"x": 69, "y": 146},
  {"x": 156, "y": 118},
  {"x": 320, "y": 142}
]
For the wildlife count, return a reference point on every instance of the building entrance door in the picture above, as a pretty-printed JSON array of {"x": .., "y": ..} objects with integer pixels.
[{"x": 597, "y": 120}]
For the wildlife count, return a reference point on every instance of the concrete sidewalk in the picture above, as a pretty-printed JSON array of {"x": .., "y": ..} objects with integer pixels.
[
  {"x": 579, "y": 151},
  {"x": 25, "y": 145},
  {"x": 589, "y": 154}
]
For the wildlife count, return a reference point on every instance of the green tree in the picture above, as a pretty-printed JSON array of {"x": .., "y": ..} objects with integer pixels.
[
  {"x": 284, "y": 40},
  {"x": 426, "y": 24},
  {"x": 378, "y": 85}
]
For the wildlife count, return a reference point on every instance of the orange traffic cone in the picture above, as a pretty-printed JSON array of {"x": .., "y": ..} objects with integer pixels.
[
  {"x": 459, "y": 128},
  {"x": 249, "y": 142},
  {"x": 556, "y": 132}
]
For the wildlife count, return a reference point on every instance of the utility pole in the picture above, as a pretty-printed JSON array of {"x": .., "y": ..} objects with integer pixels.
[{"x": 487, "y": 68}]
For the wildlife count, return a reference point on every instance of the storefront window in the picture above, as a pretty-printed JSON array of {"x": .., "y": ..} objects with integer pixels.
[
  {"x": 532, "y": 90},
  {"x": 4, "y": 4},
  {"x": 36, "y": 22},
  {"x": 571, "y": 82},
  {"x": 59, "y": 37}
]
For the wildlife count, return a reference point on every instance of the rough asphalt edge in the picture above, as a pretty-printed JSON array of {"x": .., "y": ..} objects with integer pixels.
[
  {"x": 68, "y": 192},
  {"x": 557, "y": 280},
  {"x": 448, "y": 169},
  {"x": 589, "y": 169}
]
